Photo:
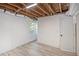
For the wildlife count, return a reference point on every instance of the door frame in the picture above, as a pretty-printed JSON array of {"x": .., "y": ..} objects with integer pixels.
[{"x": 75, "y": 31}]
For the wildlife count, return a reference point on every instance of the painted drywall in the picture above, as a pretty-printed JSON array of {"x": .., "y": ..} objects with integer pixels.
[
  {"x": 49, "y": 31},
  {"x": 14, "y": 31}
]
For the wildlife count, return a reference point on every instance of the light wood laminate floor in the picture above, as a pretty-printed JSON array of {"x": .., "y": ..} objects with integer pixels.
[{"x": 36, "y": 49}]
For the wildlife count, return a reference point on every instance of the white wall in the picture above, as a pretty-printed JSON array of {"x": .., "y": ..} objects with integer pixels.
[
  {"x": 49, "y": 30},
  {"x": 14, "y": 31}
]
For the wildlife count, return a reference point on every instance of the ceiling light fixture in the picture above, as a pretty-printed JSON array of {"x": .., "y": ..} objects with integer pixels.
[{"x": 31, "y": 5}]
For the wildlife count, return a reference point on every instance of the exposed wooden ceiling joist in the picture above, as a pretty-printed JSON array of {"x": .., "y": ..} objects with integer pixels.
[
  {"x": 29, "y": 10},
  {"x": 7, "y": 6},
  {"x": 60, "y": 8},
  {"x": 10, "y": 7},
  {"x": 19, "y": 8},
  {"x": 40, "y": 10},
  {"x": 37, "y": 12},
  {"x": 49, "y": 9}
]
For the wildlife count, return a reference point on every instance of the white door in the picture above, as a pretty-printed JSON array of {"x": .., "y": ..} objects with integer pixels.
[{"x": 67, "y": 40}]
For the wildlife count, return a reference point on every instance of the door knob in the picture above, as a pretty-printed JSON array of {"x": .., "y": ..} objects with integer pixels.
[{"x": 61, "y": 35}]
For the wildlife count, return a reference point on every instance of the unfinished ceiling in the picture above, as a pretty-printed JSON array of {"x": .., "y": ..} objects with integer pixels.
[{"x": 40, "y": 10}]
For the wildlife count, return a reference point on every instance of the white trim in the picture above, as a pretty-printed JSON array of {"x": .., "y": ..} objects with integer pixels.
[{"x": 75, "y": 33}]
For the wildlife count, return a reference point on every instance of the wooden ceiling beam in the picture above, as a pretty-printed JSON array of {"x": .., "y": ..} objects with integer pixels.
[
  {"x": 50, "y": 9},
  {"x": 42, "y": 9},
  {"x": 37, "y": 12},
  {"x": 19, "y": 8},
  {"x": 24, "y": 9},
  {"x": 60, "y": 8},
  {"x": 29, "y": 10},
  {"x": 34, "y": 10},
  {"x": 11, "y": 8}
]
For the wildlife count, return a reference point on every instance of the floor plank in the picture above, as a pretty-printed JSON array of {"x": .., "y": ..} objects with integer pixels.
[{"x": 36, "y": 49}]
